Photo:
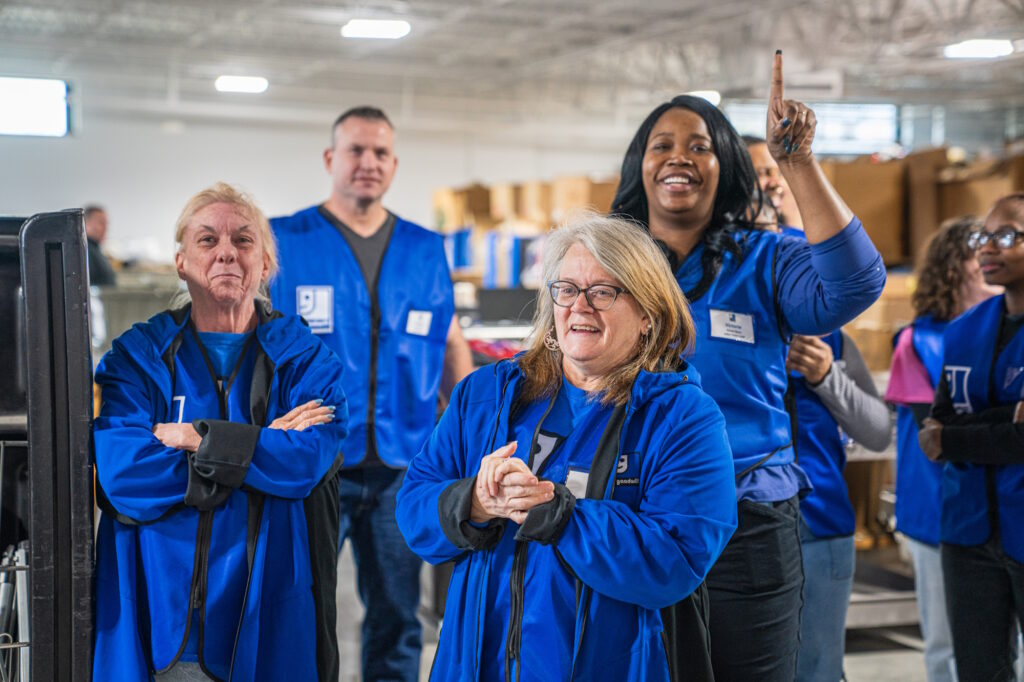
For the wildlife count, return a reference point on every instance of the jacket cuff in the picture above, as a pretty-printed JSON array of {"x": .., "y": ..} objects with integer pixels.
[
  {"x": 545, "y": 522},
  {"x": 226, "y": 451},
  {"x": 201, "y": 493},
  {"x": 454, "y": 508}
]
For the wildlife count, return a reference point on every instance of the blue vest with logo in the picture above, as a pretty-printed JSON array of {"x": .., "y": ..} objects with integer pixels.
[
  {"x": 820, "y": 445},
  {"x": 740, "y": 352},
  {"x": 392, "y": 368},
  {"x": 976, "y": 381},
  {"x": 918, "y": 479}
]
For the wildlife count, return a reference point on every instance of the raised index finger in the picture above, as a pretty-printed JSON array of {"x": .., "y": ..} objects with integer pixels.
[{"x": 775, "y": 93}]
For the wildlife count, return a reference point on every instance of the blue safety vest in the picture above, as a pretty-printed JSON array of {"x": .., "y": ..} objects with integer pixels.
[
  {"x": 820, "y": 445},
  {"x": 918, "y": 479},
  {"x": 975, "y": 497},
  {"x": 392, "y": 341},
  {"x": 740, "y": 351}
]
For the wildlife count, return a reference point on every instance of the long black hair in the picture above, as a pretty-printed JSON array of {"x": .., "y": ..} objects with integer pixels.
[{"x": 733, "y": 198}]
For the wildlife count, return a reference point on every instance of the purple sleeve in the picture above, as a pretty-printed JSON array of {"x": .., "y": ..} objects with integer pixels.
[{"x": 821, "y": 287}]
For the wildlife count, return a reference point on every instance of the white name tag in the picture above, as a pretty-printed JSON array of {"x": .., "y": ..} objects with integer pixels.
[
  {"x": 732, "y": 326},
  {"x": 576, "y": 482},
  {"x": 316, "y": 305},
  {"x": 419, "y": 322}
]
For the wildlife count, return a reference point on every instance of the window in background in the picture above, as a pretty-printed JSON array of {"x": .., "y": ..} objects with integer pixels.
[
  {"x": 843, "y": 129},
  {"x": 33, "y": 106}
]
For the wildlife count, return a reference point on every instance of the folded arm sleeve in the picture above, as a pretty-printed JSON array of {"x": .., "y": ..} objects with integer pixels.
[
  {"x": 657, "y": 555},
  {"x": 289, "y": 463},
  {"x": 436, "y": 496},
  {"x": 852, "y": 399},
  {"x": 140, "y": 476},
  {"x": 823, "y": 286}
]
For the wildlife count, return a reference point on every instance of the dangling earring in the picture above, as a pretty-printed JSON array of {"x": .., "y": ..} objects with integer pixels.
[{"x": 551, "y": 343}]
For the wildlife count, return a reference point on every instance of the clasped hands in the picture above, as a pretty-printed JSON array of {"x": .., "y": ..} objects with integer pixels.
[
  {"x": 506, "y": 488},
  {"x": 183, "y": 436}
]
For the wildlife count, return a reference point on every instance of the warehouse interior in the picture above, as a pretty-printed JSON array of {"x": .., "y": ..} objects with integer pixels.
[{"x": 509, "y": 115}]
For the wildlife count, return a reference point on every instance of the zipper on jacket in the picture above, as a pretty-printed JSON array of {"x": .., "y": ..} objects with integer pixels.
[
  {"x": 199, "y": 594},
  {"x": 375, "y": 316},
  {"x": 514, "y": 639}
]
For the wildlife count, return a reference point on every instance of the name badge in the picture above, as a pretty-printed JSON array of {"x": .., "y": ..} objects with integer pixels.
[
  {"x": 316, "y": 305},
  {"x": 732, "y": 326},
  {"x": 419, "y": 322},
  {"x": 576, "y": 482}
]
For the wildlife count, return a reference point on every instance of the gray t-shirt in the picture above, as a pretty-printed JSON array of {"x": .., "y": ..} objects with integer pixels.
[{"x": 369, "y": 251}]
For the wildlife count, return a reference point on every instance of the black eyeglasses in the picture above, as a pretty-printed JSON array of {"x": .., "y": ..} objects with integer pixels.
[
  {"x": 599, "y": 296},
  {"x": 1004, "y": 238}
]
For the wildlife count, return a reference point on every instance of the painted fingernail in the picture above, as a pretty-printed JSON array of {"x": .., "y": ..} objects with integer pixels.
[
  {"x": 332, "y": 408},
  {"x": 786, "y": 144},
  {"x": 795, "y": 147},
  {"x": 319, "y": 401},
  {"x": 778, "y": 51},
  {"x": 784, "y": 123}
]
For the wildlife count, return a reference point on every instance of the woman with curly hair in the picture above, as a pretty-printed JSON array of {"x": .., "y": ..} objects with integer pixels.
[{"x": 949, "y": 282}]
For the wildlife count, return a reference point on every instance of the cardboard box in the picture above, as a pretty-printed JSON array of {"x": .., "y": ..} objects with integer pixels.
[
  {"x": 972, "y": 190},
  {"x": 455, "y": 209},
  {"x": 923, "y": 197},
  {"x": 573, "y": 193},
  {"x": 874, "y": 344},
  {"x": 875, "y": 192},
  {"x": 504, "y": 201},
  {"x": 535, "y": 203}
]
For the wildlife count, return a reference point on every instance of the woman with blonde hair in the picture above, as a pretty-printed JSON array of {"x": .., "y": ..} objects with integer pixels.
[
  {"x": 217, "y": 451},
  {"x": 581, "y": 486}
]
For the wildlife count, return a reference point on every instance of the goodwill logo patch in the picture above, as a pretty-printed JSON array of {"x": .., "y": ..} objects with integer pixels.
[{"x": 316, "y": 305}]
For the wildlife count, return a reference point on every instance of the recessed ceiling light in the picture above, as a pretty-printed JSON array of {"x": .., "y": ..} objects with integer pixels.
[
  {"x": 712, "y": 96},
  {"x": 388, "y": 29},
  {"x": 250, "y": 84},
  {"x": 978, "y": 49}
]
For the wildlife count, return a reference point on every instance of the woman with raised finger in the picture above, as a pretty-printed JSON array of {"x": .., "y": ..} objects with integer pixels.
[
  {"x": 217, "y": 448},
  {"x": 581, "y": 486},
  {"x": 688, "y": 179}
]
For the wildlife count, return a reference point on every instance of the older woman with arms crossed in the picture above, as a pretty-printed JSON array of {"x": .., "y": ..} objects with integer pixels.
[
  {"x": 581, "y": 486},
  {"x": 217, "y": 448}
]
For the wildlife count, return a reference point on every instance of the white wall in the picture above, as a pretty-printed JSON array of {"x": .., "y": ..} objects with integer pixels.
[{"x": 144, "y": 175}]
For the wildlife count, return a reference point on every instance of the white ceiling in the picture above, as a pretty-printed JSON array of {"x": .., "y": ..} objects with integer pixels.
[{"x": 493, "y": 65}]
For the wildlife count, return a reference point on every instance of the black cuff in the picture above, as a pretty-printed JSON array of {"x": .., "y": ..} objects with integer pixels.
[
  {"x": 545, "y": 522},
  {"x": 226, "y": 451},
  {"x": 202, "y": 493},
  {"x": 454, "y": 508}
]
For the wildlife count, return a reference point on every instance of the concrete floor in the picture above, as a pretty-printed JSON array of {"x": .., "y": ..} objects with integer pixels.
[{"x": 890, "y": 655}]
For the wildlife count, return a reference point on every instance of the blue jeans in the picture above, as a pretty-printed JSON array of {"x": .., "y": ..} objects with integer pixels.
[
  {"x": 387, "y": 573},
  {"x": 828, "y": 581},
  {"x": 931, "y": 605}
]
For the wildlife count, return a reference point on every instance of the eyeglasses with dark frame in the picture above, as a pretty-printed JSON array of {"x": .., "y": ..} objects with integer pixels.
[
  {"x": 599, "y": 296},
  {"x": 1004, "y": 238}
]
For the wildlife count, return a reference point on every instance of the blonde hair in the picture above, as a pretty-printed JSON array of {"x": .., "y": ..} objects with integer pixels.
[
  {"x": 223, "y": 193},
  {"x": 625, "y": 251}
]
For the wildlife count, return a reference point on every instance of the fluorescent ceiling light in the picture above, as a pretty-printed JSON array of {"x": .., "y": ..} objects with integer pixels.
[
  {"x": 978, "y": 49},
  {"x": 250, "y": 84},
  {"x": 389, "y": 29},
  {"x": 33, "y": 106},
  {"x": 712, "y": 96}
]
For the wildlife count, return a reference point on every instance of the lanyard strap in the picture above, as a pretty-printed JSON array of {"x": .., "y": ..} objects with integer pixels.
[{"x": 223, "y": 386}]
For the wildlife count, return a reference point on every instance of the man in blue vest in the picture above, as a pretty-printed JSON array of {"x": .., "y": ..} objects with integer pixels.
[{"x": 378, "y": 291}]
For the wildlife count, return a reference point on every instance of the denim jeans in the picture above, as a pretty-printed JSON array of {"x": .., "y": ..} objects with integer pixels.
[
  {"x": 755, "y": 589},
  {"x": 828, "y": 582},
  {"x": 387, "y": 573},
  {"x": 931, "y": 606},
  {"x": 985, "y": 600}
]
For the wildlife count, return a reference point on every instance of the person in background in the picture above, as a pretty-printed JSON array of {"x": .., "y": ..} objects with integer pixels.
[
  {"x": 217, "y": 452},
  {"x": 101, "y": 274},
  {"x": 834, "y": 398},
  {"x": 975, "y": 426},
  {"x": 688, "y": 179},
  {"x": 581, "y": 486},
  {"x": 949, "y": 282},
  {"x": 376, "y": 289},
  {"x": 772, "y": 183}
]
